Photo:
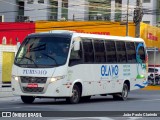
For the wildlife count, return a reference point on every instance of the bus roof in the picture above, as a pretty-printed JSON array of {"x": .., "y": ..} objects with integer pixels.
[
  {"x": 108, "y": 37},
  {"x": 96, "y": 36}
]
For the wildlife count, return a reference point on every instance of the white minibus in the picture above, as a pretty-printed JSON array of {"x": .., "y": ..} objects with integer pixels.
[{"x": 76, "y": 66}]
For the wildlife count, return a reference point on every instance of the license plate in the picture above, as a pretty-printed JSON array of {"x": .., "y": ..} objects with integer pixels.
[{"x": 32, "y": 85}]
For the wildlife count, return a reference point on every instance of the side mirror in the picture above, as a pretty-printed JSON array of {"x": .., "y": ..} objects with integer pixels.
[
  {"x": 76, "y": 43},
  {"x": 18, "y": 45}
]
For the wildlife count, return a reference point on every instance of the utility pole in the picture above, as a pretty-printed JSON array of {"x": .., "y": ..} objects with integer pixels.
[
  {"x": 154, "y": 66},
  {"x": 138, "y": 17},
  {"x": 127, "y": 18}
]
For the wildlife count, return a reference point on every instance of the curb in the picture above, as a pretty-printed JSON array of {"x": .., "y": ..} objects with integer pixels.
[
  {"x": 6, "y": 92},
  {"x": 5, "y": 89},
  {"x": 152, "y": 88}
]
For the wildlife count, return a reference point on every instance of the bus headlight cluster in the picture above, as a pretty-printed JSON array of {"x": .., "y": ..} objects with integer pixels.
[
  {"x": 15, "y": 78},
  {"x": 53, "y": 79}
]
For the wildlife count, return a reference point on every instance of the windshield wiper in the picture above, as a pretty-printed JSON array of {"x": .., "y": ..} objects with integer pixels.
[
  {"x": 28, "y": 59},
  {"x": 38, "y": 48},
  {"x": 50, "y": 57}
]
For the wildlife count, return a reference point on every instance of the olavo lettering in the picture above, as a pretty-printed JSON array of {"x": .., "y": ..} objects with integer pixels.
[{"x": 109, "y": 70}]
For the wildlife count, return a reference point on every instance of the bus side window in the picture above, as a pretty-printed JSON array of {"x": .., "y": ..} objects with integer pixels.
[
  {"x": 88, "y": 50},
  {"x": 141, "y": 52},
  {"x": 131, "y": 53},
  {"x": 121, "y": 52},
  {"x": 76, "y": 56},
  {"x": 100, "y": 56},
  {"x": 110, "y": 51}
]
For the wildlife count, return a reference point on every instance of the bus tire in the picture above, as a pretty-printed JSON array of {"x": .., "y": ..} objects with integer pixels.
[
  {"x": 122, "y": 96},
  {"x": 27, "y": 99},
  {"x": 75, "y": 95}
]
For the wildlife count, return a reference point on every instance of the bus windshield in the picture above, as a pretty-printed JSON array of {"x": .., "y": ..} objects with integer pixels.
[{"x": 42, "y": 52}]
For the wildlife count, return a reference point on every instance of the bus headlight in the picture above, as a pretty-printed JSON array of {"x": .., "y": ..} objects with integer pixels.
[
  {"x": 53, "y": 79},
  {"x": 15, "y": 78}
]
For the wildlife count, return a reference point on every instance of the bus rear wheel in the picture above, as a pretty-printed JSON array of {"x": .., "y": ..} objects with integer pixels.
[
  {"x": 122, "y": 96},
  {"x": 27, "y": 99},
  {"x": 75, "y": 95}
]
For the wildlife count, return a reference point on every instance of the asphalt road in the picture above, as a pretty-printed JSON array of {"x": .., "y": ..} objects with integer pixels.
[{"x": 140, "y": 100}]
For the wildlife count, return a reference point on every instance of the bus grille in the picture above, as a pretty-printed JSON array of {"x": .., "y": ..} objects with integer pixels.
[
  {"x": 33, "y": 79},
  {"x": 38, "y": 89}
]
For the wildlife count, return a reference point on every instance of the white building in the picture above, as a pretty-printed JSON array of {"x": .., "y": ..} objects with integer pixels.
[
  {"x": 8, "y": 10},
  {"x": 36, "y": 9},
  {"x": 110, "y": 10},
  {"x": 151, "y": 5}
]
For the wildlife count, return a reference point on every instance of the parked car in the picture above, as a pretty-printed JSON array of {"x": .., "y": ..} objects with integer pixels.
[
  {"x": 154, "y": 73},
  {"x": 151, "y": 71}
]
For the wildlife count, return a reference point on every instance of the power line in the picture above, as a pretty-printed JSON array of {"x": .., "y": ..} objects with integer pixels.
[
  {"x": 52, "y": 6},
  {"x": 153, "y": 12}
]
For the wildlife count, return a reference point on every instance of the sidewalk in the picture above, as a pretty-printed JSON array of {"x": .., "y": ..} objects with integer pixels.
[
  {"x": 5, "y": 92},
  {"x": 152, "y": 88}
]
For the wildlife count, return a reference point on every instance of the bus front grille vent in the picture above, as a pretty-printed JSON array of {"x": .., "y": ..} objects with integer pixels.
[
  {"x": 38, "y": 89},
  {"x": 33, "y": 79}
]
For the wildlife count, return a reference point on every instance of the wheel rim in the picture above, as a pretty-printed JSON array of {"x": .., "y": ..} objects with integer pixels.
[{"x": 125, "y": 92}]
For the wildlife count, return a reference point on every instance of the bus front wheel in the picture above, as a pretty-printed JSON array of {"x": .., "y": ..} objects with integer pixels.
[
  {"x": 27, "y": 99},
  {"x": 75, "y": 95},
  {"x": 123, "y": 95}
]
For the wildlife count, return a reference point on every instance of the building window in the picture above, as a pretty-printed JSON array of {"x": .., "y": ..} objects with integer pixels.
[
  {"x": 147, "y": 22},
  {"x": 65, "y": 9},
  {"x": 40, "y": 1},
  {"x": 54, "y": 10},
  {"x": 146, "y": 1},
  {"x": 99, "y": 10},
  {"x": 65, "y": 3},
  {"x": 30, "y": 1},
  {"x": 118, "y": 3},
  {"x": 1, "y": 18},
  {"x": 118, "y": 10},
  {"x": 21, "y": 8}
]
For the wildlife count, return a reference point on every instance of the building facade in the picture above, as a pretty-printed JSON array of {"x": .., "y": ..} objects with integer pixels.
[
  {"x": 158, "y": 9},
  {"x": 83, "y": 10},
  {"x": 8, "y": 10},
  {"x": 150, "y": 9}
]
